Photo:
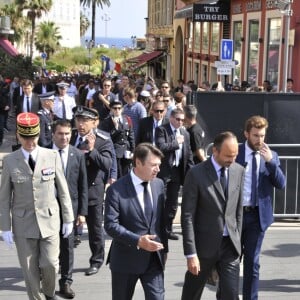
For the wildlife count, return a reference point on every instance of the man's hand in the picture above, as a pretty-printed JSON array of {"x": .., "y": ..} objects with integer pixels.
[
  {"x": 8, "y": 238},
  {"x": 180, "y": 139},
  {"x": 266, "y": 153},
  {"x": 193, "y": 265},
  {"x": 91, "y": 138},
  {"x": 146, "y": 242},
  {"x": 80, "y": 220}
]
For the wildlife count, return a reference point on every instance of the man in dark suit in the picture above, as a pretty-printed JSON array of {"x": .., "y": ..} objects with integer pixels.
[
  {"x": 262, "y": 175},
  {"x": 174, "y": 142},
  {"x": 147, "y": 126},
  {"x": 134, "y": 218},
  {"x": 44, "y": 86},
  {"x": 98, "y": 157},
  {"x": 211, "y": 220},
  {"x": 73, "y": 163},
  {"x": 28, "y": 101}
]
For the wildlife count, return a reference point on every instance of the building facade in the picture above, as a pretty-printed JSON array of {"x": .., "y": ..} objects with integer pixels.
[{"x": 265, "y": 37}]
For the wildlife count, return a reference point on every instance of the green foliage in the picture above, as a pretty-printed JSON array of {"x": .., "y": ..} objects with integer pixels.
[{"x": 16, "y": 66}]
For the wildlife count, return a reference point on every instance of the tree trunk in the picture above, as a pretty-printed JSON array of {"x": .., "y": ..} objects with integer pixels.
[{"x": 32, "y": 37}]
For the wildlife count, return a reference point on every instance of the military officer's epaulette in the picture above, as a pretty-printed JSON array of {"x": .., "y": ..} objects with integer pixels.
[
  {"x": 102, "y": 134},
  {"x": 41, "y": 112}
]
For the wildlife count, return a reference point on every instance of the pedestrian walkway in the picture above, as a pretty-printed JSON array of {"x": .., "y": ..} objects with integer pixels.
[{"x": 280, "y": 272}]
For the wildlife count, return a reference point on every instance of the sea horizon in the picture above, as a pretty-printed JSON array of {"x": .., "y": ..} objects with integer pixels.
[{"x": 111, "y": 42}]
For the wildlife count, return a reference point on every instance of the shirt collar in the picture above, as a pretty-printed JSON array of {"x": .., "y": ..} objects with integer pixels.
[
  {"x": 33, "y": 153},
  {"x": 135, "y": 179},
  {"x": 66, "y": 149}
]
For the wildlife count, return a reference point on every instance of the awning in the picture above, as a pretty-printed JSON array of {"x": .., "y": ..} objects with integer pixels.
[
  {"x": 184, "y": 13},
  {"x": 7, "y": 46},
  {"x": 141, "y": 60}
]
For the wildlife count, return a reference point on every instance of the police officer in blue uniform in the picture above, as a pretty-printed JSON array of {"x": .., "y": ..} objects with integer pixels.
[
  {"x": 97, "y": 149},
  {"x": 119, "y": 126},
  {"x": 46, "y": 119}
]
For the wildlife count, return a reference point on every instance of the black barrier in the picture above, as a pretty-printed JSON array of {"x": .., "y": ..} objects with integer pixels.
[{"x": 221, "y": 111}]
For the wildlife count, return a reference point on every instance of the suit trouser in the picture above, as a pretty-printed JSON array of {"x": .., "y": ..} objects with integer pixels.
[
  {"x": 172, "y": 188},
  {"x": 252, "y": 239},
  {"x": 39, "y": 262},
  {"x": 227, "y": 264},
  {"x": 94, "y": 222},
  {"x": 123, "y": 284},
  {"x": 66, "y": 259}
]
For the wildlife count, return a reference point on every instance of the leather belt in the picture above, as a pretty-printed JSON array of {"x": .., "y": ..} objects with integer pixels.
[{"x": 250, "y": 208}]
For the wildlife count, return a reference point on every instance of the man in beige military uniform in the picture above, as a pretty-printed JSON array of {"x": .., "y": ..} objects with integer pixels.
[{"x": 33, "y": 194}]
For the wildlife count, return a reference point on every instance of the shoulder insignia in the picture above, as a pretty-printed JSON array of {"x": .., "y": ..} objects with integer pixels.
[{"x": 103, "y": 135}]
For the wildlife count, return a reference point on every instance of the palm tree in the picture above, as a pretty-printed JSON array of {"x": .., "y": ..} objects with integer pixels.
[
  {"x": 47, "y": 38},
  {"x": 84, "y": 24},
  {"x": 19, "y": 23},
  {"x": 94, "y": 3},
  {"x": 34, "y": 8}
]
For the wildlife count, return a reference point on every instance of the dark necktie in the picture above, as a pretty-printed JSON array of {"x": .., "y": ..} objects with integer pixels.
[
  {"x": 80, "y": 143},
  {"x": 254, "y": 181},
  {"x": 31, "y": 162},
  {"x": 147, "y": 202},
  {"x": 27, "y": 104},
  {"x": 62, "y": 161},
  {"x": 223, "y": 181},
  {"x": 64, "y": 115}
]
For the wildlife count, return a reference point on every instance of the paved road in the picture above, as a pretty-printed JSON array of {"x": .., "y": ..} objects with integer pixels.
[{"x": 280, "y": 272}]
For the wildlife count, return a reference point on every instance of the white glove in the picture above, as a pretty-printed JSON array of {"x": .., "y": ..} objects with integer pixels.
[
  {"x": 8, "y": 238},
  {"x": 67, "y": 229}
]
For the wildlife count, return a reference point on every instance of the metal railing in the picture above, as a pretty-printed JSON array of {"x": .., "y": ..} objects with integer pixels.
[{"x": 286, "y": 202}]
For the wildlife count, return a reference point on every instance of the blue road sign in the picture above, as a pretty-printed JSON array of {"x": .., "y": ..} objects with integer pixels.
[{"x": 226, "y": 50}]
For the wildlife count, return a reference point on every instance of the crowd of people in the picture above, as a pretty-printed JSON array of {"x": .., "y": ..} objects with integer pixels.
[{"x": 129, "y": 146}]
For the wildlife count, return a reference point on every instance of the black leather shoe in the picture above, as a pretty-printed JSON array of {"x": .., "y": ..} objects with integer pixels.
[
  {"x": 66, "y": 291},
  {"x": 173, "y": 236},
  {"x": 77, "y": 240},
  {"x": 91, "y": 271},
  {"x": 51, "y": 297}
]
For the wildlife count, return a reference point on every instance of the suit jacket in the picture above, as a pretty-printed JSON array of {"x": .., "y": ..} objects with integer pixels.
[
  {"x": 35, "y": 104},
  {"x": 45, "y": 138},
  {"x": 125, "y": 222},
  {"x": 123, "y": 137},
  {"x": 38, "y": 88},
  {"x": 204, "y": 211},
  {"x": 77, "y": 181},
  {"x": 270, "y": 176},
  {"x": 166, "y": 142},
  {"x": 145, "y": 130},
  {"x": 98, "y": 163},
  {"x": 27, "y": 199}
]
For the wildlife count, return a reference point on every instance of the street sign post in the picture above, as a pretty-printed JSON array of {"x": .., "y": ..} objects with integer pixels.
[{"x": 226, "y": 50}]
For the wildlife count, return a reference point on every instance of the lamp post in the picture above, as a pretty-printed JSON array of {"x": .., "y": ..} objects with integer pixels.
[
  {"x": 133, "y": 41},
  {"x": 285, "y": 7},
  {"x": 106, "y": 18},
  {"x": 89, "y": 45}
]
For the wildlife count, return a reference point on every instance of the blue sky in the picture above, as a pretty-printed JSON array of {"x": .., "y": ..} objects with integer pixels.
[{"x": 127, "y": 18}]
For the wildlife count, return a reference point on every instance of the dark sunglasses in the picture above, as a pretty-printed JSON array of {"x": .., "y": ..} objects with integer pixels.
[
  {"x": 159, "y": 111},
  {"x": 117, "y": 107},
  {"x": 179, "y": 120}
]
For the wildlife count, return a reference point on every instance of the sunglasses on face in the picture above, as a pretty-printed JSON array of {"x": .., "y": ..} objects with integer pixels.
[
  {"x": 179, "y": 120},
  {"x": 159, "y": 111},
  {"x": 115, "y": 108}
]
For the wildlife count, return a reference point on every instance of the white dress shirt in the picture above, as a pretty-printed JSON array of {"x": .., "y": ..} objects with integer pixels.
[
  {"x": 58, "y": 106},
  {"x": 139, "y": 188},
  {"x": 248, "y": 174}
]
